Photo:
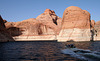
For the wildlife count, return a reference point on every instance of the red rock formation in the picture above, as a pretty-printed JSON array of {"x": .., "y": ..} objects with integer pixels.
[
  {"x": 48, "y": 15},
  {"x": 59, "y": 21},
  {"x": 4, "y": 21},
  {"x": 48, "y": 23},
  {"x": 97, "y": 31},
  {"x": 75, "y": 25},
  {"x": 92, "y": 23},
  {"x": 97, "y": 23},
  {"x": 75, "y": 17},
  {"x": 25, "y": 27},
  {"x": 9, "y": 24},
  {"x": 97, "y": 28},
  {"x": 49, "y": 19},
  {"x": 31, "y": 27},
  {"x": 4, "y": 35}
]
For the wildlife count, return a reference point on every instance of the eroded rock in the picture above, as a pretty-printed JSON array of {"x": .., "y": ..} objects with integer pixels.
[
  {"x": 4, "y": 35},
  {"x": 75, "y": 25}
]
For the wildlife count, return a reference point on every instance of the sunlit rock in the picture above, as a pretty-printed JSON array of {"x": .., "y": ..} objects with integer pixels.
[{"x": 75, "y": 25}]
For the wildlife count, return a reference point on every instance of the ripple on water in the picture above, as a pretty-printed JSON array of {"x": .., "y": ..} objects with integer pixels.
[{"x": 36, "y": 51}]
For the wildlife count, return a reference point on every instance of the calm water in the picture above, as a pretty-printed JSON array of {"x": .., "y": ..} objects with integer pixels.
[{"x": 40, "y": 51}]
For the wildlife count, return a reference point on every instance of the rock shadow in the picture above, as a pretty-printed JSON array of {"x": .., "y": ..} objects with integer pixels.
[
  {"x": 71, "y": 40},
  {"x": 14, "y": 31}
]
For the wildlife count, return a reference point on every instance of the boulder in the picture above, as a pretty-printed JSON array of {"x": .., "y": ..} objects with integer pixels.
[{"x": 75, "y": 25}]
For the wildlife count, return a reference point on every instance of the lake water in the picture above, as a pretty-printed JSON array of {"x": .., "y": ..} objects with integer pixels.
[{"x": 41, "y": 51}]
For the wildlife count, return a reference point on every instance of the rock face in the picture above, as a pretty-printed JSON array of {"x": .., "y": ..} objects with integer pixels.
[
  {"x": 92, "y": 23},
  {"x": 48, "y": 23},
  {"x": 75, "y": 25},
  {"x": 97, "y": 31},
  {"x": 48, "y": 15},
  {"x": 59, "y": 23},
  {"x": 27, "y": 27},
  {"x": 75, "y": 17},
  {"x": 4, "y": 35}
]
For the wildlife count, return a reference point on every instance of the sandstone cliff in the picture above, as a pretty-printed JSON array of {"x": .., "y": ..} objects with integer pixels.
[
  {"x": 47, "y": 23},
  {"x": 97, "y": 30},
  {"x": 92, "y": 23},
  {"x": 25, "y": 27},
  {"x": 75, "y": 25},
  {"x": 4, "y": 35},
  {"x": 75, "y": 17},
  {"x": 50, "y": 22}
]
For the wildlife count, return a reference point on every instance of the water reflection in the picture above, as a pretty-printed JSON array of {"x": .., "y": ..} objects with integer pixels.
[
  {"x": 33, "y": 51},
  {"x": 40, "y": 51}
]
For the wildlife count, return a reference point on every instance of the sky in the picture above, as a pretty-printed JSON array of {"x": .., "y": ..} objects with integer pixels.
[{"x": 18, "y": 10}]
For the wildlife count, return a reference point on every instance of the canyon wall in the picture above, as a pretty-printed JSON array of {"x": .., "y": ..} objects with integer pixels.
[
  {"x": 75, "y": 25},
  {"x": 4, "y": 34},
  {"x": 97, "y": 31},
  {"x": 43, "y": 27}
]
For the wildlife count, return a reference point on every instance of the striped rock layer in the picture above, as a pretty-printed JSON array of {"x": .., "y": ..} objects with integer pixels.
[{"x": 75, "y": 25}]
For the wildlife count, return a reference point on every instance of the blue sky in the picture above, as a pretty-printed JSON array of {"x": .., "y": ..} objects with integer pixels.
[{"x": 18, "y": 10}]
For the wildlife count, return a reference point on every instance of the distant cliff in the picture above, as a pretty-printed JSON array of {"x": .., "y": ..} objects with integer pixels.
[
  {"x": 48, "y": 23},
  {"x": 74, "y": 26},
  {"x": 97, "y": 31}
]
